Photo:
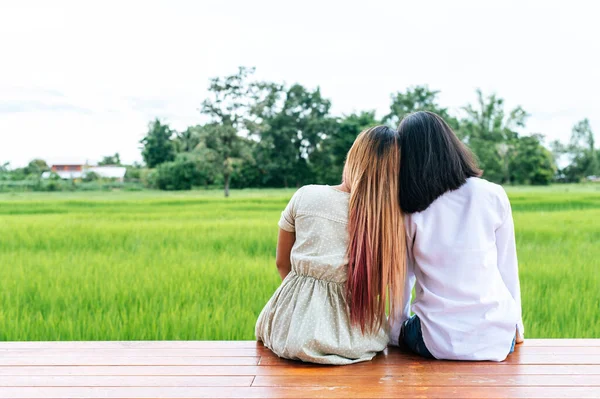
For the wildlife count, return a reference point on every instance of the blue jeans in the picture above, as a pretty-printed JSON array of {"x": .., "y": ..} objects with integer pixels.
[
  {"x": 512, "y": 348},
  {"x": 412, "y": 337}
]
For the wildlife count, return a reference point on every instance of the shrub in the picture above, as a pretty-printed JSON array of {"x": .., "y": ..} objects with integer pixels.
[
  {"x": 181, "y": 174},
  {"x": 91, "y": 176}
]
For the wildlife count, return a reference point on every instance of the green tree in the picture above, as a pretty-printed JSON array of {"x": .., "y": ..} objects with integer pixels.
[
  {"x": 221, "y": 152},
  {"x": 292, "y": 131},
  {"x": 328, "y": 160},
  {"x": 229, "y": 104},
  {"x": 111, "y": 160},
  {"x": 531, "y": 162},
  {"x": 248, "y": 173},
  {"x": 36, "y": 167},
  {"x": 188, "y": 170},
  {"x": 176, "y": 175},
  {"x": 91, "y": 176},
  {"x": 187, "y": 140},
  {"x": 584, "y": 158},
  {"x": 491, "y": 134},
  {"x": 416, "y": 98},
  {"x": 582, "y": 146},
  {"x": 157, "y": 146}
]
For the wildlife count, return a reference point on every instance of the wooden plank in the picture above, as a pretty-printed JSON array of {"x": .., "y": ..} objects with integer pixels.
[
  {"x": 305, "y": 369},
  {"x": 256, "y": 352},
  {"x": 517, "y": 358},
  {"x": 75, "y": 360},
  {"x": 244, "y": 352},
  {"x": 126, "y": 381},
  {"x": 562, "y": 342},
  {"x": 429, "y": 380},
  {"x": 398, "y": 358},
  {"x": 377, "y": 391},
  {"x": 552, "y": 350},
  {"x": 392, "y": 359},
  {"x": 130, "y": 344},
  {"x": 230, "y": 344}
]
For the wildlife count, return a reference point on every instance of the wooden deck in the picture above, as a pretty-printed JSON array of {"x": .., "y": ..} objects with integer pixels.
[{"x": 245, "y": 369}]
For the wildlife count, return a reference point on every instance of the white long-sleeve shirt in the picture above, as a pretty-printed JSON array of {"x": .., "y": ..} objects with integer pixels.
[{"x": 461, "y": 250}]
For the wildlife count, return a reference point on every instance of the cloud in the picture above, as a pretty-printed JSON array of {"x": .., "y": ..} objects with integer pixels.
[
  {"x": 83, "y": 79},
  {"x": 40, "y": 106}
]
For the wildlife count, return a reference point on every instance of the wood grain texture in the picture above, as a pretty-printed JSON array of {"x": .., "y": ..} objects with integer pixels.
[
  {"x": 73, "y": 359},
  {"x": 246, "y": 369},
  {"x": 397, "y": 358},
  {"x": 131, "y": 344},
  {"x": 302, "y": 370},
  {"x": 365, "y": 392},
  {"x": 126, "y": 381},
  {"x": 429, "y": 380},
  {"x": 240, "y": 352},
  {"x": 231, "y": 344}
]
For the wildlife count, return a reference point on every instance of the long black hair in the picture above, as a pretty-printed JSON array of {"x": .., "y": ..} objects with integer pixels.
[{"x": 433, "y": 160}]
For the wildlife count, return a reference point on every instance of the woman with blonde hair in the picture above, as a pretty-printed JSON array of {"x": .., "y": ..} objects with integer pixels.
[{"x": 340, "y": 253}]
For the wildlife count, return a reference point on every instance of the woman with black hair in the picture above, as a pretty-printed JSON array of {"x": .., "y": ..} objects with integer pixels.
[{"x": 462, "y": 257}]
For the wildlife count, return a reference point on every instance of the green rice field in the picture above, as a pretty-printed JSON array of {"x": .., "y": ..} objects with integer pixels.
[{"x": 155, "y": 265}]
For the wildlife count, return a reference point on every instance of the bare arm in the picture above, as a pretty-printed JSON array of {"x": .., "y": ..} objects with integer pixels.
[{"x": 285, "y": 242}]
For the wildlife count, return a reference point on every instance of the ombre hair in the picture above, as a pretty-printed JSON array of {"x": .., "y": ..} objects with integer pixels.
[{"x": 377, "y": 247}]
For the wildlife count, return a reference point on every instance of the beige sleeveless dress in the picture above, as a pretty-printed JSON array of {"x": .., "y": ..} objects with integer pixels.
[{"x": 307, "y": 317}]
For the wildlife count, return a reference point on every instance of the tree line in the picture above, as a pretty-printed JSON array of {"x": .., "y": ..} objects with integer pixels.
[{"x": 266, "y": 134}]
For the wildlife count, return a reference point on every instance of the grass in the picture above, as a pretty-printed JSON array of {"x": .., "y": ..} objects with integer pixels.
[{"x": 154, "y": 265}]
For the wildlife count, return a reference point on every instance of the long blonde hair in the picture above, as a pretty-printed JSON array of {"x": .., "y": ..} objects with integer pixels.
[{"x": 377, "y": 248}]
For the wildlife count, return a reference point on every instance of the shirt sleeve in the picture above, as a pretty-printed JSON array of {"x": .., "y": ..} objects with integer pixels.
[
  {"x": 403, "y": 313},
  {"x": 507, "y": 259},
  {"x": 287, "y": 221}
]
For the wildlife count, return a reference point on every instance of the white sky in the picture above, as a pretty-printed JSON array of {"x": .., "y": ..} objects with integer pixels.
[{"x": 81, "y": 79}]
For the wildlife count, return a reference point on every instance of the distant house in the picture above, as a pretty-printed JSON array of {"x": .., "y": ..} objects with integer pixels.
[
  {"x": 73, "y": 172},
  {"x": 66, "y": 172}
]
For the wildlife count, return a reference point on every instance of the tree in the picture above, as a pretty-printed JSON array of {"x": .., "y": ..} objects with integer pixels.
[
  {"x": 91, "y": 176},
  {"x": 491, "y": 134},
  {"x": 229, "y": 105},
  {"x": 582, "y": 146},
  {"x": 221, "y": 152},
  {"x": 187, "y": 140},
  {"x": 292, "y": 132},
  {"x": 329, "y": 158},
  {"x": 416, "y": 98},
  {"x": 181, "y": 174},
  {"x": 247, "y": 172},
  {"x": 36, "y": 167},
  {"x": 111, "y": 160},
  {"x": 157, "y": 145},
  {"x": 531, "y": 162},
  {"x": 584, "y": 158}
]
